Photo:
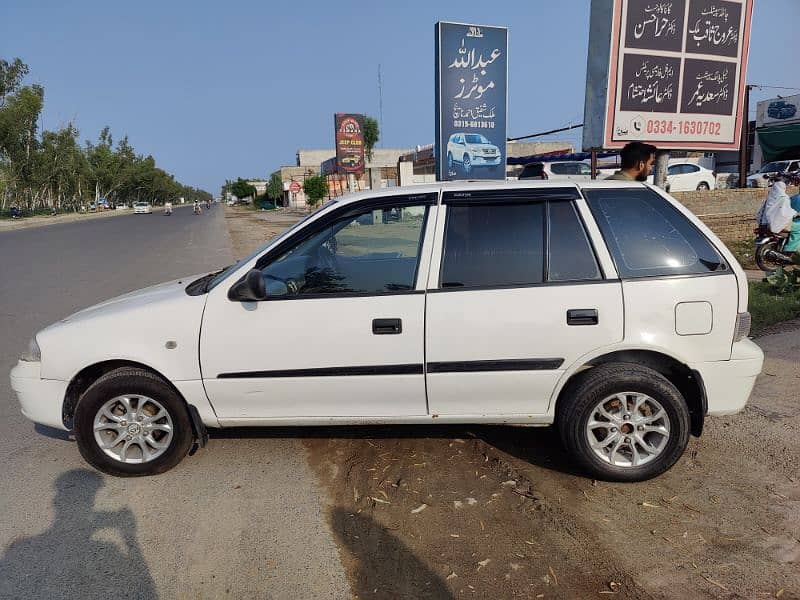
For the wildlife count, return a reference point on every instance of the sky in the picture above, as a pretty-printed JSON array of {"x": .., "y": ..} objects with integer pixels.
[{"x": 221, "y": 90}]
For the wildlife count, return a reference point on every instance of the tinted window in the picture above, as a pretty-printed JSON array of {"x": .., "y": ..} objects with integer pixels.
[
  {"x": 561, "y": 168},
  {"x": 570, "y": 255},
  {"x": 647, "y": 236},
  {"x": 690, "y": 168},
  {"x": 369, "y": 252},
  {"x": 531, "y": 171},
  {"x": 493, "y": 245},
  {"x": 474, "y": 138},
  {"x": 584, "y": 169},
  {"x": 671, "y": 170}
]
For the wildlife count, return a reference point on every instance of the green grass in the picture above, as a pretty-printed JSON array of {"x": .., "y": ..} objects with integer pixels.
[
  {"x": 743, "y": 251},
  {"x": 769, "y": 308}
]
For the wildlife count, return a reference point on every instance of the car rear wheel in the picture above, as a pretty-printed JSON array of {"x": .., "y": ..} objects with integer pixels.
[
  {"x": 703, "y": 186},
  {"x": 130, "y": 423},
  {"x": 624, "y": 422}
]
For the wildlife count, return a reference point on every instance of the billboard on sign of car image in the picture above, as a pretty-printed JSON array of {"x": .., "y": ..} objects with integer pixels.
[
  {"x": 349, "y": 143},
  {"x": 471, "y": 100}
]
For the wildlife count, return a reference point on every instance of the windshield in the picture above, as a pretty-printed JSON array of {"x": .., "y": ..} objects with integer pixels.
[
  {"x": 774, "y": 167},
  {"x": 474, "y": 138},
  {"x": 228, "y": 270}
]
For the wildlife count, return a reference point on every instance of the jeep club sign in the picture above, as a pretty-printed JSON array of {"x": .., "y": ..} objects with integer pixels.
[
  {"x": 667, "y": 72},
  {"x": 349, "y": 137}
]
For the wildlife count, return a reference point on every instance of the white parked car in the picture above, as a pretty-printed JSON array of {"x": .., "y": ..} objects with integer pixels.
[
  {"x": 471, "y": 150},
  {"x": 142, "y": 208},
  {"x": 606, "y": 309},
  {"x": 564, "y": 171},
  {"x": 759, "y": 179},
  {"x": 687, "y": 177}
]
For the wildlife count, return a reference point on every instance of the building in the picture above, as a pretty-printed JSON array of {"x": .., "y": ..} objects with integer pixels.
[{"x": 380, "y": 171}]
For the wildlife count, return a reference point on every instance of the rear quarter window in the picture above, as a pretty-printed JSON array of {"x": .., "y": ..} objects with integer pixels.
[{"x": 648, "y": 237}]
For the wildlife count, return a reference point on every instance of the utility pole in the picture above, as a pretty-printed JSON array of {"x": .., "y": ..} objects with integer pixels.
[
  {"x": 744, "y": 159},
  {"x": 661, "y": 164},
  {"x": 380, "y": 104}
]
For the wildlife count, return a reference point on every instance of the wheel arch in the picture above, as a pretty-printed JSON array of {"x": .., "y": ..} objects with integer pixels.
[
  {"x": 84, "y": 378},
  {"x": 687, "y": 380}
]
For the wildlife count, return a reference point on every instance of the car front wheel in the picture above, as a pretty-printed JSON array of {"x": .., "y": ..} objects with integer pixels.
[
  {"x": 624, "y": 422},
  {"x": 703, "y": 186},
  {"x": 130, "y": 423}
]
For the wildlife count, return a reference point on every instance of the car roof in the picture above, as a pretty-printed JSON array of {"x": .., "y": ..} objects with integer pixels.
[{"x": 457, "y": 186}]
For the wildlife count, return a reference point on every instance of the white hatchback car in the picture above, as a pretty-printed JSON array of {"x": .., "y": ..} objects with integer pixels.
[{"x": 607, "y": 309}]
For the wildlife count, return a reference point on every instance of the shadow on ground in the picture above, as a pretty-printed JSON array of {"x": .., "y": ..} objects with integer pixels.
[
  {"x": 383, "y": 567},
  {"x": 73, "y": 559},
  {"x": 539, "y": 446}
]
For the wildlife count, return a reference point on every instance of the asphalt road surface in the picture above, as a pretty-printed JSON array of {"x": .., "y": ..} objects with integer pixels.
[{"x": 242, "y": 518}]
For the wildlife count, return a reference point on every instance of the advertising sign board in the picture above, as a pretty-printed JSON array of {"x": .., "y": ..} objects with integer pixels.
[
  {"x": 672, "y": 74},
  {"x": 471, "y": 101},
  {"x": 349, "y": 143}
]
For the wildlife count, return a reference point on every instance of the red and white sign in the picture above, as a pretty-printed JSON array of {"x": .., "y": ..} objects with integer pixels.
[
  {"x": 294, "y": 187},
  {"x": 676, "y": 73}
]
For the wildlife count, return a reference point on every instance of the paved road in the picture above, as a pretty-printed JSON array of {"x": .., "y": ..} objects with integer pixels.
[{"x": 241, "y": 518}]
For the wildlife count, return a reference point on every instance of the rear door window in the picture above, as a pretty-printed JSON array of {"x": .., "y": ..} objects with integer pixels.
[
  {"x": 648, "y": 237},
  {"x": 493, "y": 245},
  {"x": 561, "y": 168},
  {"x": 570, "y": 255}
]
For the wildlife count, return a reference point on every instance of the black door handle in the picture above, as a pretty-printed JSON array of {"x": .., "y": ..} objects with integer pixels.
[
  {"x": 582, "y": 316},
  {"x": 387, "y": 326}
]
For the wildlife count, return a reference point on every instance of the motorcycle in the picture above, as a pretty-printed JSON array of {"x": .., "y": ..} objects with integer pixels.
[
  {"x": 197, "y": 209},
  {"x": 167, "y": 209},
  {"x": 769, "y": 253}
]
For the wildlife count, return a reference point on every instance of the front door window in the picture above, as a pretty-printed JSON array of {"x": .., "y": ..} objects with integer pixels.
[{"x": 369, "y": 252}]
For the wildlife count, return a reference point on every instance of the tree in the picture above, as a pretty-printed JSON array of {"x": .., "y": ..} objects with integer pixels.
[
  {"x": 316, "y": 188},
  {"x": 241, "y": 189},
  {"x": 50, "y": 169},
  {"x": 275, "y": 187},
  {"x": 371, "y": 136}
]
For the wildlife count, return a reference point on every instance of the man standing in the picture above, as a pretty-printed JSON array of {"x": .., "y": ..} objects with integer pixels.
[{"x": 636, "y": 161}]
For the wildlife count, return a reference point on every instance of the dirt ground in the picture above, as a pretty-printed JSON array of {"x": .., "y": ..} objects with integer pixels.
[{"x": 499, "y": 512}]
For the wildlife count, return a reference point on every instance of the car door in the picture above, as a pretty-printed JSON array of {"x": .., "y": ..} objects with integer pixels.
[
  {"x": 341, "y": 332},
  {"x": 515, "y": 296}
]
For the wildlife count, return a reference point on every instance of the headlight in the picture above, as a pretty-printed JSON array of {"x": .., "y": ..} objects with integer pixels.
[{"x": 33, "y": 353}]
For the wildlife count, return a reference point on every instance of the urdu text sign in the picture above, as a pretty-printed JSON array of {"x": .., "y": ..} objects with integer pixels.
[
  {"x": 471, "y": 101},
  {"x": 675, "y": 73}
]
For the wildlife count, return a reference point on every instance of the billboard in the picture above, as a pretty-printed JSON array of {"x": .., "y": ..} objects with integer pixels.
[
  {"x": 667, "y": 72},
  {"x": 471, "y": 101},
  {"x": 778, "y": 110},
  {"x": 349, "y": 143}
]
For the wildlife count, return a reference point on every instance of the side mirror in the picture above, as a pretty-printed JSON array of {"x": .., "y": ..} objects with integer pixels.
[{"x": 249, "y": 288}]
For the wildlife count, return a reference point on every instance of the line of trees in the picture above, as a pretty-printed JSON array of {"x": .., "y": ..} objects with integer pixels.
[{"x": 52, "y": 170}]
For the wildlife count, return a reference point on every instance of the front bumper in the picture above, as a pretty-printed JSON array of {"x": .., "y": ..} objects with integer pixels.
[
  {"x": 729, "y": 383},
  {"x": 41, "y": 400},
  {"x": 485, "y": 161}
]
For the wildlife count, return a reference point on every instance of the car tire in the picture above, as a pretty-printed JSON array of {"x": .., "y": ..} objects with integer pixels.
[
  {"x": 171, "y": 434},
  {"x": 466, "y": 164},
  {"x": 449, "y": 160},
  {"x": 703, "y": 186},
  {"x": 581, "y": 425}
]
